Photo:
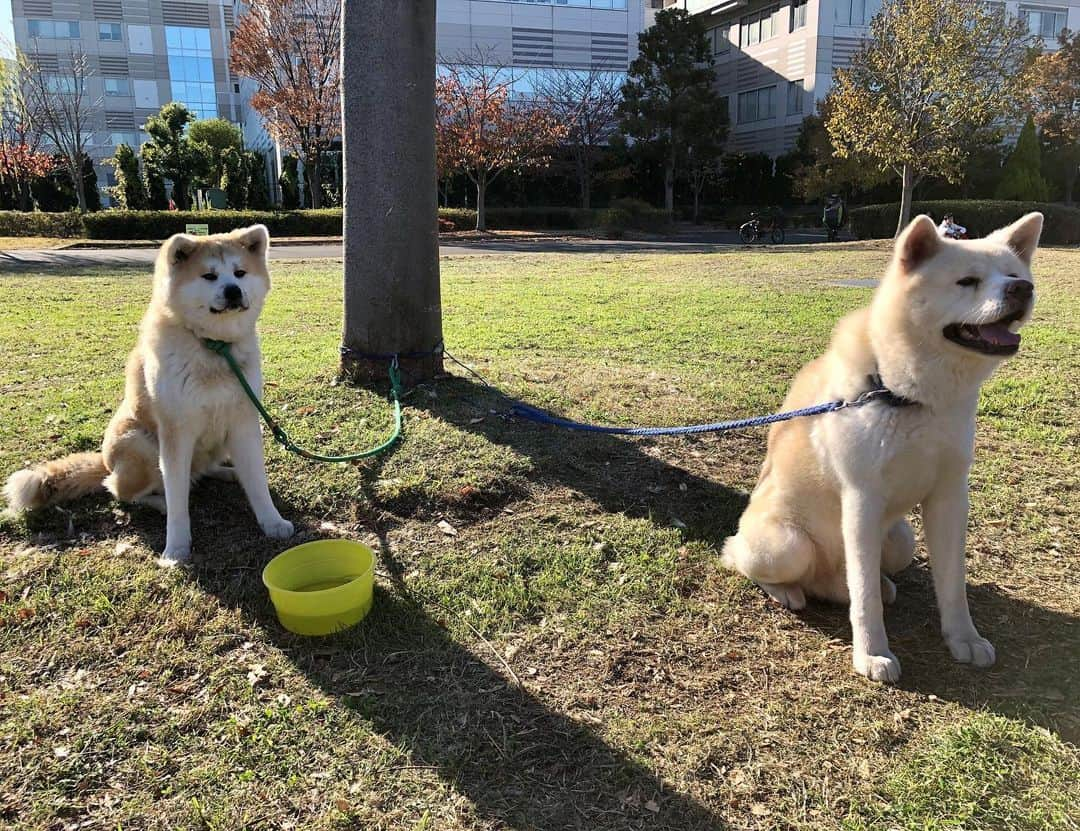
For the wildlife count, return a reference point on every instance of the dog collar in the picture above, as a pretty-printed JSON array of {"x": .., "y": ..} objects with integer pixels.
[{"x": 882, "y": 393}]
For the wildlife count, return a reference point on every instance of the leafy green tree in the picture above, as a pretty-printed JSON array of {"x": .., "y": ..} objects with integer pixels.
[
  {"x": 930, "y": 82},
  {"x": 235, "y": 177},
  {"x": 1022, "y": 178},
  {"x": 217, "y": 143},
  {"x": 816, "y": 169},
  {"x": 669, "y": 92},
  {"x": 156, "y": 197},
  {"x": 90, "y": 187},
  {"x": 258, "y": 194},
  {"x": 169, "y": 154},
  {"x": 129, "y": 190},
  {"x": 290, "y": 184}
]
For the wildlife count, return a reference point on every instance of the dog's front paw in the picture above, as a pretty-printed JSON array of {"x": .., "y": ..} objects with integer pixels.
[
  {"x": 884, "y": 668},
  {"x": 277, "y": 528},
  {"x": 972, "y": 649},
  {"x": 175, "y": 555}
]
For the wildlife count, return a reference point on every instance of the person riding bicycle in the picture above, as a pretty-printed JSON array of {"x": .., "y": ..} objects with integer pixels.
[
  {"x": 950, "y": 229},
  {"x": 833, "y": 215}
]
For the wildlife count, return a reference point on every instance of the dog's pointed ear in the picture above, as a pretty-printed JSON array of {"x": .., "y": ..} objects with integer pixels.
[
  {"x": 178, "y": 248},
  {"x": 255, "y": 239},
  {"x": 1022, "y": 236},
  {"x": 917, "y": 243}
]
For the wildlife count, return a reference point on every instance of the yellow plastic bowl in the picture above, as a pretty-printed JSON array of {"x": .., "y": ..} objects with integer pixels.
[{"x": 321, "y": 587}]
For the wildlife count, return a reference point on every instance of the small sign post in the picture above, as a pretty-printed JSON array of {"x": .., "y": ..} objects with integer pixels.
[{"x": 197, "y": 230}]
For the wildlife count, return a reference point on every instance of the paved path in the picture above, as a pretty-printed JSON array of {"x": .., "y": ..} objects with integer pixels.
[{"x": 685, "y": 243}]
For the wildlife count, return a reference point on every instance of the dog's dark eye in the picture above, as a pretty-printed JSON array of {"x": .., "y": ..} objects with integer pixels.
[
  {"x": 969, "y": 281},
  {"x": 210, "y": 276},
  {"x": 239, "y": 273}
]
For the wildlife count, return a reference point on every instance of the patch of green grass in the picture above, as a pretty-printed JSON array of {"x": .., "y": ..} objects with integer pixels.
[
  {"x": 553, "y": 644},
  {"x": 987, "y": 773}
]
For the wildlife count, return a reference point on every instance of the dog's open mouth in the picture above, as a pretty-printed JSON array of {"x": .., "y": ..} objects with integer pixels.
[
  {"x": 231, "y": 307},
  {"x": 995, "y": 338}
]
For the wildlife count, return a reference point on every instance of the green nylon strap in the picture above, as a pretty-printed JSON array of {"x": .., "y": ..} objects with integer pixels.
[{"x": 282, "y": 438}]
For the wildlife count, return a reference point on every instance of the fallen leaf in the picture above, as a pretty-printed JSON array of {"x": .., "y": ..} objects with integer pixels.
[
  {"x": 447, "y": 528},
  {"x": 758, "y": 809},
  {"x": 256, "y": 673},
  {"x": 652, "y": 806},
  {"x": 61, "y": 752}
]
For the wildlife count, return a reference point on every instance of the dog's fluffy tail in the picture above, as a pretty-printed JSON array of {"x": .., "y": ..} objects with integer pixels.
[{"x": 60, "y": 480}]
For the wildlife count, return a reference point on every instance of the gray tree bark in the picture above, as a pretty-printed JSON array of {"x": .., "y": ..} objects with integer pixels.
[{"x": 392, "y": 296}]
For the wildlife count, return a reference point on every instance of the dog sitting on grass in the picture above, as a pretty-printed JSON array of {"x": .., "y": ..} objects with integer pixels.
[
  {"x": 828, "y": 515},
  {"x": 184, "y": 414}
]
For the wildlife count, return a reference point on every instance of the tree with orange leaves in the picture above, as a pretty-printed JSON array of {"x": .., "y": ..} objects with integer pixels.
[
  {"x": 291, "y": 50},
  {"x": 482, "y": 131},
  {"x": 1055, "y": 89},
  {"x": 21, "y": 157}
]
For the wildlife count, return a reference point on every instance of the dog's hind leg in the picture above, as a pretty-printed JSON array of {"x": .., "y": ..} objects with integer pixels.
[{"x": 774, "y": 554}]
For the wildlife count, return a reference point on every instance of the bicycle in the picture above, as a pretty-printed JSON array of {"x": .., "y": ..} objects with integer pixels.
[{"x": 755, "y": 229}]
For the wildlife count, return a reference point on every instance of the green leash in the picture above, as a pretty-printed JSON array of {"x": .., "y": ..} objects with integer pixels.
[{"x": 281, "y": 437}]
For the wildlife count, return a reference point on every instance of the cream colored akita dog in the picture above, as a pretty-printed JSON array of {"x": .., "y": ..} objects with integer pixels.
[
  {"x": 827, "y": 517},
  {"x": 184, "y": 413}
]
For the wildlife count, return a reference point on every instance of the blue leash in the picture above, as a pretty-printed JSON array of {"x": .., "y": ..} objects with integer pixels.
[{"x": 878, "y": 392}]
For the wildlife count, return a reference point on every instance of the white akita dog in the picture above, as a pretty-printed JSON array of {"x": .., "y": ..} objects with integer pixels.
[
  {"x": 184, "y": 413},
  {"x": 827, "y": 517}
]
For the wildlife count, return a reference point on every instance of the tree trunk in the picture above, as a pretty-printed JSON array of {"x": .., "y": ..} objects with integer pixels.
[
  {"x": 907, "y": 187},
  {"x": 584, "y": 176},
  {"x": 481, "y": 209},
  {"x": 312, "y": 172},
  {"x": 697, "y": 202},
  {"x": 392, "y": 299},
  {"x": 75, "y": 171},
  {"x": 669, "y": 184}
]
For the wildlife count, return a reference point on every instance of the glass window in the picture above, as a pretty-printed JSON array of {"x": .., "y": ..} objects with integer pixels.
[
  {"x": 60, "y": 84},
  {"x": 798, "y": 14},
  {"x": 757, "y": 104},
  {"x": 1044, "y": 22},
  {"x": 191, "y": 69},
  {"x": 117, "y": 86},
  {"x": 757, "y": 27},
  {"x": 795, "y": 97},
  {"x": 856, "y": 12},
  {"x": 721, "y": 39},
  {"x": 110, "y": 31},
  {"x": 131, "y": 139},
  {"x": 61, "y": 29}
]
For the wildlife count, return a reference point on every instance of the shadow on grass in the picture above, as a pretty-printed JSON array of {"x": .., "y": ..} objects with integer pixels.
[
  {"x": 620, "y": 474},
  {"x": 1037, "y": 674},
  {"x": 520, "y": 762}
]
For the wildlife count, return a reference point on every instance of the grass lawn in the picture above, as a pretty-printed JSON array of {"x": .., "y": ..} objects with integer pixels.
[
  {"x": 553, "y": 644},
  {"x": 22, "y": 243}
]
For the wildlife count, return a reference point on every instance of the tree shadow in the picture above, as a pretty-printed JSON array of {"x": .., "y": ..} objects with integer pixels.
[
  {"x": 632, "y": 476},
  {"x": 517, "y": 759}
]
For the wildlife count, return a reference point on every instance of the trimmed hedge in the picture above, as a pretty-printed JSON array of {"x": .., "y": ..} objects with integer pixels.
[
  {"x": 162, "y": 224},
  {"x": 23, "y": 224},
  {"x": 979, "y": 216},
  {"x": 158, "y": 225}
]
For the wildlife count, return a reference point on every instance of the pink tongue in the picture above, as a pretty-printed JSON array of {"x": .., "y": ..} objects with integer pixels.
[{"x": 998, "y": 334}]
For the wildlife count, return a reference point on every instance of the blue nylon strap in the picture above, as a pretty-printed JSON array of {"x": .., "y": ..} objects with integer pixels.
[{"x": 540, "y": 417}]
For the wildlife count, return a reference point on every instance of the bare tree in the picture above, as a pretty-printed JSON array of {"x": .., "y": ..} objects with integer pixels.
[
  {"x": 585, "y": 101},
  {"x": 60, "y": 106}
]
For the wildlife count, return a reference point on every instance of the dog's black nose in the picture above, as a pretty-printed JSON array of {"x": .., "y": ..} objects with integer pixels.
[
  {"x": 233, "y": 293},
  {"x": 1020, "y": 290}
]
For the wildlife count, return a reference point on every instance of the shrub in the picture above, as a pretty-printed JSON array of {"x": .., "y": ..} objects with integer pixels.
[
  {"x": 456, "y": 219},
  {"x": 23, "y": 224},
  {"x": 626, "y": 214},
  {"x": 564, "y": 219},
  {"x": 979, "y": 216},
  {"x": 1021, "y": 178},
  {"x": 162, "y": 224}
]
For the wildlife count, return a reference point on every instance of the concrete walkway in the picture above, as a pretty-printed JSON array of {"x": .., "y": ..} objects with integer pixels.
[{"x": 691, "y": 242}]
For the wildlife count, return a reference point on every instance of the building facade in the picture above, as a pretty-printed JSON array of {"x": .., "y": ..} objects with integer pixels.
[
  {"x": 775, "y": 60},
  {"x": 142, "y": 54}
]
